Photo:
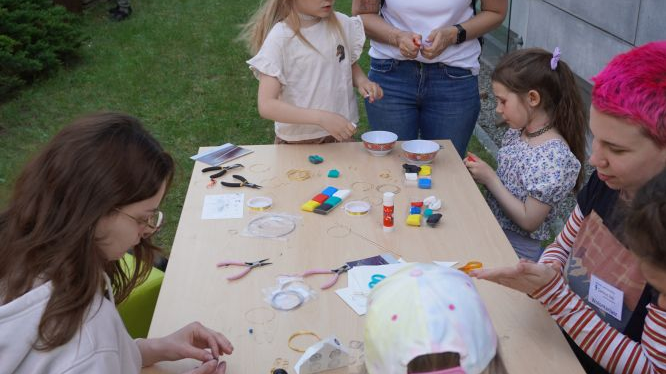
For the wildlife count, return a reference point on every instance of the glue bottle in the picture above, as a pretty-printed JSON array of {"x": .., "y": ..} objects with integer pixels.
[{"x": 388, "y": 211}]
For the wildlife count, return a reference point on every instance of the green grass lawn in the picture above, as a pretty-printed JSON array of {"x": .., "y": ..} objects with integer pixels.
[{"x": 173, "y": 64}]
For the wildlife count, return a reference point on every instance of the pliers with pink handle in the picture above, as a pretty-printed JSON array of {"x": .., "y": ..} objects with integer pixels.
[
  {"x": 248, "y": 265},
  {"x": 336, "y": 274}
]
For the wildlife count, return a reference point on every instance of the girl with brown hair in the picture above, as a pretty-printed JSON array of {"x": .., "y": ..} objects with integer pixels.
[
  {"x": 88, "y": 197},
  {"x": 540, "y": 160}
]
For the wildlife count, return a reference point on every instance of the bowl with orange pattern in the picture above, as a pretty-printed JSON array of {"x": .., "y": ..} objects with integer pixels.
[
  {"x": 420, "y": 151},
  {"x": 379, "y": 143}
]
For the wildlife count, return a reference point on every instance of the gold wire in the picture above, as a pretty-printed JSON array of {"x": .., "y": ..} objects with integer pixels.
[
  {"x": 298, "y": 175},
  {"x": 300, "y": 333}
]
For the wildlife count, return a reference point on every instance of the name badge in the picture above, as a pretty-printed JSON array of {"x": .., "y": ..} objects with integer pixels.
[{"x": 606, "y": 297}]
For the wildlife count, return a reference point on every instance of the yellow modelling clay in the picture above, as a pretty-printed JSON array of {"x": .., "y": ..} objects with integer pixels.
[
  {"x": 425, "y": 170},
  {"x": 414, "y": 220},
  {"x": 310, "y": 206}
]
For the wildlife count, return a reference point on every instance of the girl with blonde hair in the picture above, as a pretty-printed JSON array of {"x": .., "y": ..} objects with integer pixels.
[{"x": 306, "y": 60}]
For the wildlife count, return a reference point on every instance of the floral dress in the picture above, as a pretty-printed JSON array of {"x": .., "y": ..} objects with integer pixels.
[{"x": 546, "y": 172}]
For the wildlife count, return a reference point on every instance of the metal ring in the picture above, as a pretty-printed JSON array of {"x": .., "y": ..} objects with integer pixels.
[
  {"x": 275, "y": 305},
  {"x": 393, "y": 188}
]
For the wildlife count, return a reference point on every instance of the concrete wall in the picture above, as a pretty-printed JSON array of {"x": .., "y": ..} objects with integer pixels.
[{"x": 589, "y": 32}]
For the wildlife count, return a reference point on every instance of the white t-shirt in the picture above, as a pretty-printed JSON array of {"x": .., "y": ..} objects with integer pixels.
[
  {"x": 101, "y": 346},
  {"x": 311, "y": 79},
  {"x": 423, "y": 16}
]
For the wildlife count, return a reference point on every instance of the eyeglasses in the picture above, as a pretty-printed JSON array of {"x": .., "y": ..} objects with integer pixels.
[{"x": 154, "y": 222}]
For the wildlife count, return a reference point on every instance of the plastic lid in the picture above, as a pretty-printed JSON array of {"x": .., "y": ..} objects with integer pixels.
[
  {"x": 357, "y": 208},
  {"x": 388, "y": 198}
]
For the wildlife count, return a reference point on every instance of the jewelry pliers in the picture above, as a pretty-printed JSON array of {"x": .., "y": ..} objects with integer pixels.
[
  {"x": 342, "y": 269},
  {"x": 243, "y": 182},
  {"x": 249, "y": 266},
  {"x": 222, "y": 168}
]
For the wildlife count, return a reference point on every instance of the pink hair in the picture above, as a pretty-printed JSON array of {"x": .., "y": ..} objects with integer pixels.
[{"x": 633, "y": 86}]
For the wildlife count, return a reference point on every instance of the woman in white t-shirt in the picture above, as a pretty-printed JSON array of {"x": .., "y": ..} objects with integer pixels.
[
  {"x": 425, "y": 55},
  {"x": 88, "y": 197},
  {"x": 306, "y": 62}
]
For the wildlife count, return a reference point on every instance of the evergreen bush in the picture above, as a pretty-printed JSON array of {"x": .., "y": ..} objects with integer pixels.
[{"x": 36, "y": 37}]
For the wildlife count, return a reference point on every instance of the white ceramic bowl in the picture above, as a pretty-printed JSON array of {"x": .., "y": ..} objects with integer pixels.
[
  {"x": 379, "y": 143},
  {"x": 420, "y": 151}
]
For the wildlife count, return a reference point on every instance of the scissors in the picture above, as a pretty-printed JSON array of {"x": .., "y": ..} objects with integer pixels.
[
  {"x": 472, "y": 265},
  {"x": 342, "y": 269},
  {"x": 221, "y": 173},
  {"x": 249, "y": 266},
  {"x": 243, "y": 182}
]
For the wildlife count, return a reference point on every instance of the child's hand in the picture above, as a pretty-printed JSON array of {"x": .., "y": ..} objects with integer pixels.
[
  {"x": 438, "y": 41},
  {"x": 337, "y": 125},
  {"x": 370, "y": 90},
  {"x": 480, "y": 171}
]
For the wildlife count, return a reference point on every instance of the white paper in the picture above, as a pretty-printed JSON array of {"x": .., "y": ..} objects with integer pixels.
[
  {"x": 606, "y": 297},
  {"x": 356, "y": 300},
  {"x": 224, "y": 206},
  {"x": 364, "y": 278}
]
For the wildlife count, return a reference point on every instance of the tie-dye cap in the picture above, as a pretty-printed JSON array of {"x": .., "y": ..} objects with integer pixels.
[{"x": 425, "y": 309}]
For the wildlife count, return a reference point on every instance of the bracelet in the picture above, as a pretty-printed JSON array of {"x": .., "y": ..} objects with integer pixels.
[{"x": 300, "y": 333}]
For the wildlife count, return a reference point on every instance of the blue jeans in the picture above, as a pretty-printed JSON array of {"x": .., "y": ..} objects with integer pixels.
[{"x": 430, "y": 101}]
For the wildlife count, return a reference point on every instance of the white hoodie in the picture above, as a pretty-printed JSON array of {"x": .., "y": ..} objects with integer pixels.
[{"x": 102, "y": 345}]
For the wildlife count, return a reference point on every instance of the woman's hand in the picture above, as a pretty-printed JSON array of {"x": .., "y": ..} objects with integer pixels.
[
  {"x": 408, "y": 43},
  {"x": 191, "y": 341},
  {"x": 438, "y": 41},
  {"x": 481, "y": 172},
  {"x": 336, "y": 125},
  {"x": 370, "y": 90},
  {"x": 526, "y": 276}
]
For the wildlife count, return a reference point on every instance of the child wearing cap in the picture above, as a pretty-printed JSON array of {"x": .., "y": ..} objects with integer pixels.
[{"x": 428, "y": 318}]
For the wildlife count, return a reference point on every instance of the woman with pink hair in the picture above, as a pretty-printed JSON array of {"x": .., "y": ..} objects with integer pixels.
[{"x": 604, "y": 296}]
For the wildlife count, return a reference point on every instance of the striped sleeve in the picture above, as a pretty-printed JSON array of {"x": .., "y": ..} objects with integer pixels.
[
  {"x": 559, "y": 250},
  {"x": 605, "y": 345}
]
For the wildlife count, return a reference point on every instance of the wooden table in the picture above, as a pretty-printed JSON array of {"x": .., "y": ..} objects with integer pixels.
[{"x": 194, "y": 289}]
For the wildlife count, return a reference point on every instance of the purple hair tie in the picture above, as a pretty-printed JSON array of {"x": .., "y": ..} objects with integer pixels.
[{"x": 555, "y": 59}]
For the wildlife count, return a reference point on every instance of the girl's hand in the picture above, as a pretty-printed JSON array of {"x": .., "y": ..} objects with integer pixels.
[
  {"x": 438, "y": 41},
  {"x": 370, "y": 90},
  {"x": 481, "y": 172},
  {"x": 210, "y": 367},
  {"x": 409, "y": 43},
  {"x": 526, "y": 276},
  {"x": 336, "y": 125},
  {"x": 192, "y": 341}
]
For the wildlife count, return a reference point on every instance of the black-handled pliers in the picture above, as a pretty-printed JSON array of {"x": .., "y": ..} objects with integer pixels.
[
  {"x": 223, "y": 170},
  {"x": 243, "y": 182}
]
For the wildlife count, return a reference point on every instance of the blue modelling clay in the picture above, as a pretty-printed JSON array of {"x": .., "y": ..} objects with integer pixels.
[
  {"x": 315, "y": 159},
  {"x": 329, "y": 191},
  {"x": 425, "y": 183},
  {"x": 414, "y": 210},
  {"x": 333, "y": 173}
]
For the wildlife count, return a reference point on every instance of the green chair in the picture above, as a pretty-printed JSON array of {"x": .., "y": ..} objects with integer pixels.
[{"x": 137, "y": 310}]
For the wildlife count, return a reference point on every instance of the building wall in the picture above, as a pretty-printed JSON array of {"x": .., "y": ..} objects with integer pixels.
[{"x": 590, "y": 32}]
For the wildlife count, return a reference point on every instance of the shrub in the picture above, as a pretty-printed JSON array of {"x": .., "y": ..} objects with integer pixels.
[{"x": 35, "y": 38}]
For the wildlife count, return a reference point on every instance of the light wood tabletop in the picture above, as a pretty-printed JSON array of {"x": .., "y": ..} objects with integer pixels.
[{"x": 194, "y": 289}]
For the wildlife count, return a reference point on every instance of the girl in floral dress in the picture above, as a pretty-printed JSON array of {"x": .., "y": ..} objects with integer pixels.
[{"x": 540, "y": 160}]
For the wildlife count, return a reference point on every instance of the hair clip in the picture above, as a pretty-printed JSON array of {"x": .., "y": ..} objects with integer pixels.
[{"x": 555, "y": 59}]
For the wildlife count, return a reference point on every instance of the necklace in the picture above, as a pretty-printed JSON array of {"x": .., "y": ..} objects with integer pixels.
[{"x": 538, "y": 132}]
